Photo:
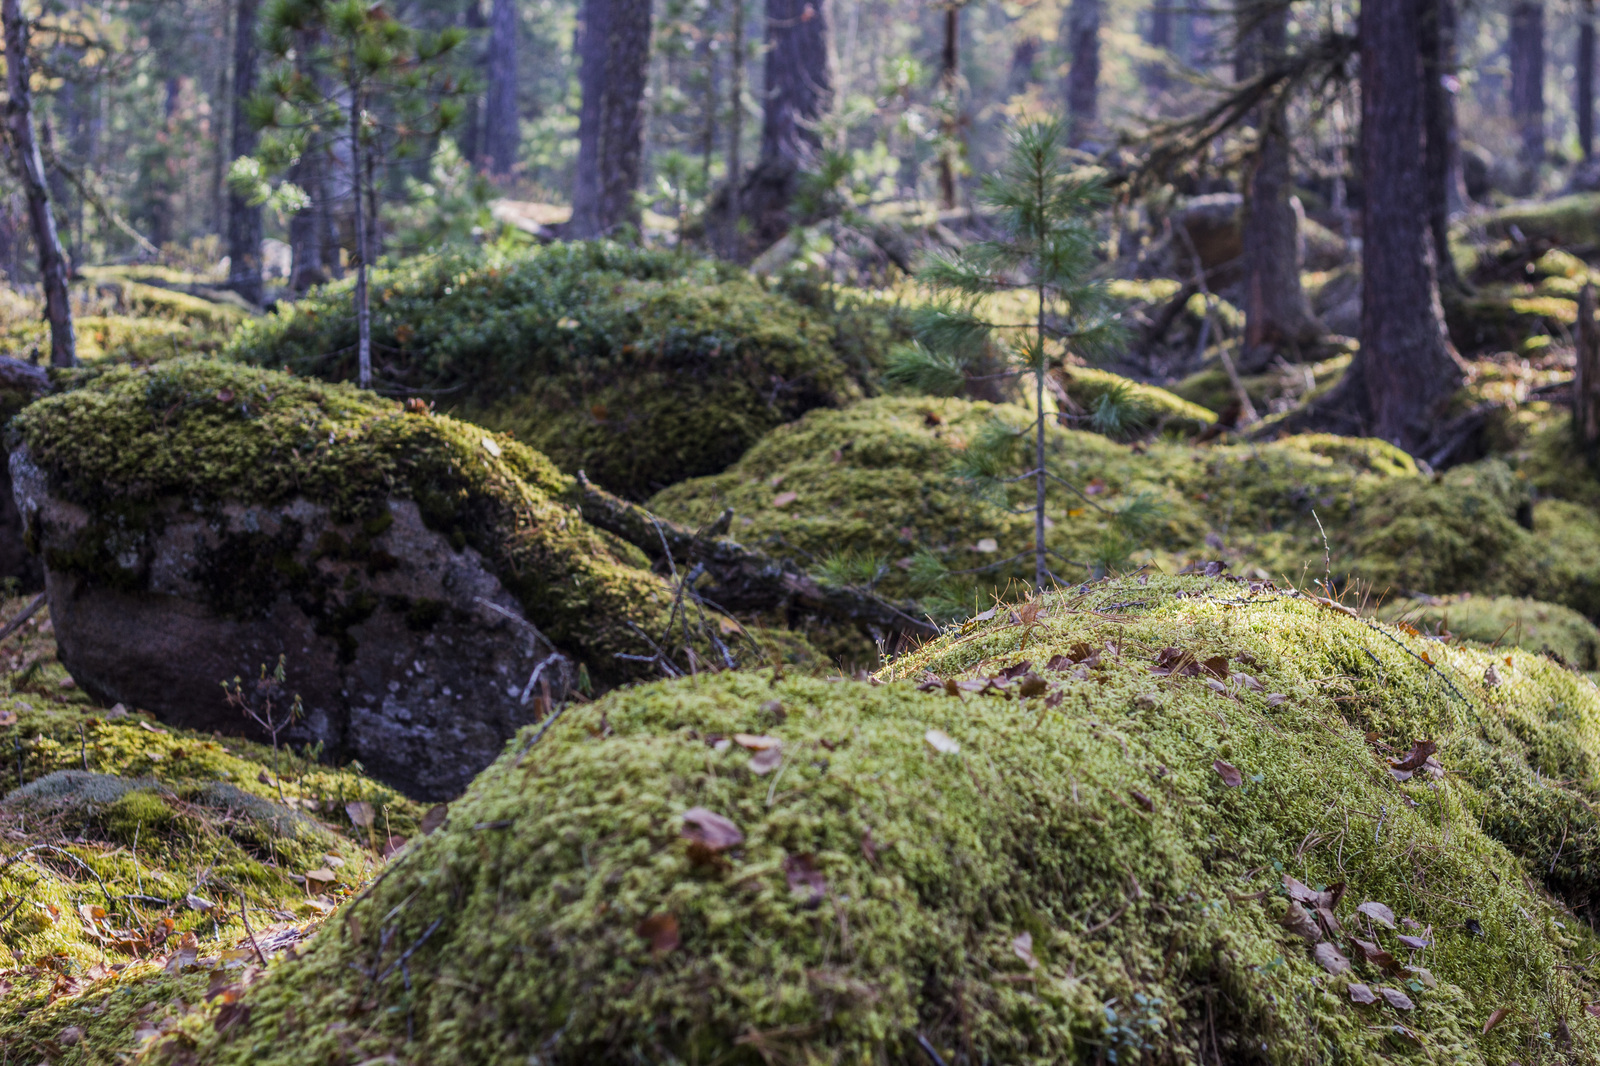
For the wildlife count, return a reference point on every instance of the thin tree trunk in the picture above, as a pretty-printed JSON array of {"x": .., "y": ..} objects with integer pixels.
[
  {"x": 471, "y": 139},
  {"x": 708, "y": 60},
  {"x": 615, "y": 51},
  {"x": 244, "y": 221},
  {"x": 1586, "y": 379},
  {"x": 19, "y": 121},
  {"x": 1526, "y": 48},
  {"x": 1405, "y": 370},
  {"x": 1584, "y": 70},
  {"x": 735, "y": 177},
  {"x": 1439, "y": 120},
  {"x": 949, "y": 91},
  {"x": 799, "y": 94},
  {"x": 219, "y": 129},
  {"x": 1083, "y": 77},
  {"x": 501, "y": 132},
  {"x": 1041, "y": 569},
  {"x": 1158, "y": 34},
  {"x": 1278, "y": 317},
  {"x": 1024, "y": 54},
  {"x": 363, "y": 307},
  {"x": 305, "y": 238}
]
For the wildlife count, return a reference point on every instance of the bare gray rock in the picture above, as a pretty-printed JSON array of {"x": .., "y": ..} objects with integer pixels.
[{"x": 408, "y": 654}]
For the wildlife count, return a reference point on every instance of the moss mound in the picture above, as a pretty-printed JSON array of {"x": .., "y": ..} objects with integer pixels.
[
  {"x": 640, "y": 368},
  {"x": 1505, "y": 621},
  {"x": 205, "y": 432},
  {"x": 881, "y": 484},
  {"x": 1155, "y": 408},
  {"x": 131, "y": 847},
  {"x": 1085, "y": 859}
]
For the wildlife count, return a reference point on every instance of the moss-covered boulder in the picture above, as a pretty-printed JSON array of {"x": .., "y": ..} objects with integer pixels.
[
  {"x": 639, "y": 368},
  {"x": 1504, "y": 621},
  {"x": 1174, "y": 819},
  {"x": 422, "y": 579}
]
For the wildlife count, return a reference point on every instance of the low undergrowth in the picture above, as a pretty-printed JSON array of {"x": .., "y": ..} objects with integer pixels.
[{"x": 1173, "y": 819}]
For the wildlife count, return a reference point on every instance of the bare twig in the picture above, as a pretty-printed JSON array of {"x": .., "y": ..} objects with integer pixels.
[
  {"x": 245, "y": 917},
  {"x": 27, "y": 613}
]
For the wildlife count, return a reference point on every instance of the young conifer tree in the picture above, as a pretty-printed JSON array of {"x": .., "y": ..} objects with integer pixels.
[{"x": 1045, "y": 244}]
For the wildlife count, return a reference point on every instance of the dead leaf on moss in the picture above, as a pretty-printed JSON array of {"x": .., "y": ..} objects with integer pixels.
[
  {"x": 1415, "y": 943},
  {"x": 1377, "y": 956},
  {"x": 1330, "y": 958},
  {"x": 1216, "y": 666},
  {"x": 1015, "y": 670},
  {"x": 1491, "y": 676},
  {"x": 1397, "y": 999},
  {"x": 1298, "y": 921},
  {"x": 1229, "y": 773},
  {"x": 805, "y": 880},
  {"x": 1275, "y": 698},
  {"x": 1416, "y": 757},
  {"x": 8, "y": 718},
  {"x": 710, "y": 830},
  {"x": 661, "y": 930},
  {"x": 756, "y": 743},
  {"x": 360, "y": 812},
  {"x": 1379, "y": 913},
  {"x": 322, "y": 874},
  {"x": 1495, "y": 1019},
  {"x": 1360, "y": 993},
  {"x": 434, "y": 818},
  {"x": 941, "y": 742},
  {"x": 784, "y": 499},
  {"x": 1032, "y": 685},
  {"x": 1022, "y": 947},
  {"x": 1142, "y": 800},
  {"x": 765, "y": 761}
]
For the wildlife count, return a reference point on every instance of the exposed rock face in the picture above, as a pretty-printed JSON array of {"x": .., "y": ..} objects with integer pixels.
[{"x": 407, "y": 653}]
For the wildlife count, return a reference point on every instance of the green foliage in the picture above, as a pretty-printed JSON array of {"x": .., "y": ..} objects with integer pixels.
[
  {"x": 638, "y": 367},
  {"x": 448, "y": 211},
  {"x": 995, "y": 876}
]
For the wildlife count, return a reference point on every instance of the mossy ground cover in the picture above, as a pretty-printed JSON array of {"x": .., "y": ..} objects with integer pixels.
[
  {"x": 128, "y": 849},
  {"x": 640, "y": 368},
  {"x": 1504, "y": 621},
  {"x": 1073, "y": 832},
  {"x": 207, "y": 432}
]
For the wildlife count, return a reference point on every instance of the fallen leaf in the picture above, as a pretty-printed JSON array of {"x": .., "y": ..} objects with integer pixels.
[
  {"x": 490, "y": 446},
  {"x": 91, "y": 913},
  {"x": 1376, "y": 956},
  {"x": 360, "y": 812},
  {"x": 805, "y": 879},
  {"x": 987, "y": 546},
  {"x": 1330, "y": 958},
  {"x": 1397, "y": 999},
  {"x": 1360, "y": 993},
  {"x": 1491, "y": 678},
  {"x": 941, "y": 742},
  {"x": 1229, "y": 773},
  {"x": 1415, "y": 943},
  {"x": 70, "y": 1035},
  {"x": 1592, "y": 1008},
  {"x": 1378, "y": 913},
  {"x": 784, "y": 499},
  {"x": 1015, "y": 670},
  {"x": 765, "y": 761},
  {"x": 756, "y": 743},
  {"x": 710, "y": 830},
  {"x": 434, "y": 818},
  {"x": 1249, "y": 682},
  {"x": 661, "y": 930},
  {"x": 1424, "y": 976},
  {"x": 1022, "y": 947},
  {"x": 1407, "y": 1035},
  {"x": 1142, "y": 800},
  {"x": 146, "y": 726},
  {"x": 1275, "y": 698},
  {"x": 198, "y": 903},
  {"x": 1298, "y": 921},
  {"x": 1031, "y": 685},
  {"x": 1414, "y": 758},
  {"x": 1330, "y": 924},
  {"x": 321, "y": 873},
  {"x": 1216, "y": 666},
  {"x": 1495, "y": 1019},
  {"x": 1095, "y": 487},
  {"x": 392, "y": 845}
]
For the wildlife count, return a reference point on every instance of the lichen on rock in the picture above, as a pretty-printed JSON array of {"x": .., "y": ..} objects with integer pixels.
[{"x": 1041, "y": 838}]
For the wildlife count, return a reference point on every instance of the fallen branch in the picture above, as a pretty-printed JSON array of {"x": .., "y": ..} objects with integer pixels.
[{"x": 27, "y": 613}]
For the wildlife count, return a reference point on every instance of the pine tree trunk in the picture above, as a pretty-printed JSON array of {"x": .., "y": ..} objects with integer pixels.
[
  {"x": 735, "y": 177},
  {"x": 19, "y": 121},
  {"x": 1278, "y": 317},
  {"x": 470, "y": 139},
  {"x": 949, "y": 91},
  {"x": 363, "y": 304},
  {"x": 1083, "y": 77},
  {"x": 1586, "y": 379},
  {"x": 799, "y": 94},
  {"x": 1583, "y": 66},
  {"x": 1158, "y": 34},
  {"x": 244, "y": 221},
  {"x": 1526, "y": 48},
  {"x": 1024, "y": 54},
  {"x": 501, "y": 132},
  {"x": 1405, "y": 370},
  {"x": 1443, "y": 138},
  {"x": 614, "y": 52}
]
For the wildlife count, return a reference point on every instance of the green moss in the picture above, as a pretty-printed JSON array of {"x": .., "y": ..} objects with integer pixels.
[
  {"x": 1076, "y": 879},
  {"x": 1571, "y": 219},
  {"x": 1506, "y": 622},
  {"x": 130, "y": 441},
  {"x": 639, "y": 368},
  {"x": 1159, "y": 408}
]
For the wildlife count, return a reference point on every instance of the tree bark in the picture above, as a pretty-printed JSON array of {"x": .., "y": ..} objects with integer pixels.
[
  {"x": 1278, "y": 317},
  {"x": 614, "y": 50},
  {"x": 1443, "y": 146},
  {"x": 799, "y": 93},
  {"x": 244, "y": 221},
  {"x": 1024, "y": 54},
  {"x": 501, "y": 133},
  {"x": 1586, "y": 379},
  {"x": 1405, "y": 370},
  {"x": 1158, "y": 34},
  {"x": 19, "y": 121},
  {"x": 949, "y": 91},
  {"x": 362, "y": 299},
  {"x": 1083, "y": 77},
  {"x": 470, "y": 140},
  {"x": 1526, "y": 48},
  {"x": 1584, "y": 70},
  {"x": 735, "y": 177}
]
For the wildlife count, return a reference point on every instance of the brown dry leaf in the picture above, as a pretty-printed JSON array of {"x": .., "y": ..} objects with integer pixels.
[
  {"x": 1216, "y": 666},
  {"x": 1330, "y": 958},
  {"x": 1397, "y": 999},
  {"x": 1299, "y": 922},
  {"x": 1229, "y": 773},
  {"x": 765, "y": 761},
  {"x": 1142, "y": 800},
  {"x": 1330, "y": 924},
  {"x": 1360, "y": 993},
  {"x": 321, "y": 873},
  {"x": 1495, "y": 1019},
  {"x": 1275, "y": 698},
  {"x": 1249, "y": 682},
  {"x": 392, "y": 846},
  {"x": 198, "y": 903},
  {"x": 1491, "y": 676},
  {"x": 784, "y": 499},
  {"x": 941, "y": 742},
  {"x": 434, "y": 818},
  {"x": 1031, "y": 685},
  {"x": 661, "y": 930},
  {"x": 360, "y": 812},
  {"x": 756, "y": 743},
  {"x": 1015, "y": 670},
  {"x": 1379, "y": 913},
  {"x": 1022, "y": 947},
  {"x": 1377, "y": 956},
  {"x": 805, "y": 880},
  {"x": 1413, "y": 759},
  {"x": 70, "y": 1035},
  {"x": 1415, "y": 943},
  {"x": 710, "y": 830},
  {"x": 1423, "y": 975},
  {"x": 91, "y": 913}
]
